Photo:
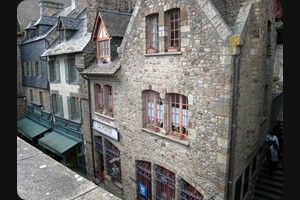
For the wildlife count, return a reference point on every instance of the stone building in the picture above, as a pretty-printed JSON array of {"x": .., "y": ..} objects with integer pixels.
[
  {"x": 55, "y": 23},
  {"x": 184, "y": 108}
]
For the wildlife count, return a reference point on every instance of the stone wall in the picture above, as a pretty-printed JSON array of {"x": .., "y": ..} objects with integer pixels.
[
  {"x": 202, "y": 72},
  {"x": 278, "y": 63}
]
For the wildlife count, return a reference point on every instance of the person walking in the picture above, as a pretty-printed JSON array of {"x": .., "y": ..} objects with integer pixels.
[{"x": 274, "y": 157}]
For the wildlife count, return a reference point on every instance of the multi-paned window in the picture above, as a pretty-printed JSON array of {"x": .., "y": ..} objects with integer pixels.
[
  {"x": 41, "y": 97},
  {"x": 73, "y": 107},
  {"x": 104, "y": 99},
  {"x": 54, "y": 74},
  {"x": 179, "y": 114},
  {"x": 109, "y": 101},
  {"x": 104, "y": 49},
  {"x": 56, "y": 104},
  {"x": 71, "y": 72},
  {"x": 99, "y": 98},
  {"x": 189, "y": 192},
  {"x": 155, "y": 109},
  {"x": 144, "y": 180},
  {"x": 37, "y": 69},
  {"x": 113, "y": 161},
  {"x": 152, "y": 34},
  {"x": 165, "y": 183},
  {"x": 174, "y": 30}
]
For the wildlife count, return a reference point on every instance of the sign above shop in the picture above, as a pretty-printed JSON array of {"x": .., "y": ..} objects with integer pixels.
[{"x": 106, "y": 129}]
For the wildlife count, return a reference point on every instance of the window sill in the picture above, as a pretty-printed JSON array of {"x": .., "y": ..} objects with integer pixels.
[
  {"x": 105, "y": 116},
  {"x": 162, "y": 54},
  {"x": 118, "y": 184},
  {"x": 184, "y": 142}
]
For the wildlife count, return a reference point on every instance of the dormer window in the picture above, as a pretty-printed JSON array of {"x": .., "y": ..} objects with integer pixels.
[{"x": 103, "y": 46}]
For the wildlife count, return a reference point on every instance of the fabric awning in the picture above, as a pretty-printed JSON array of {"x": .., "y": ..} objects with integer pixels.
[
  {"x": 57, "y": 143},
  {"x": 30, "y": 128}
]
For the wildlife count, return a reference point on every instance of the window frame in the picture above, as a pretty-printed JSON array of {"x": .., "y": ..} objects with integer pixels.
[
  {"x": 99, "y": 98},
  {"x": 150, "y": 33},
  {"x": 106, "y": 57},
  {"x": 109, "y": 101},
  {"x": 174, "y": 30},
  {"x": 180, "y": 113},
  {"x": 155, "y": 101}
]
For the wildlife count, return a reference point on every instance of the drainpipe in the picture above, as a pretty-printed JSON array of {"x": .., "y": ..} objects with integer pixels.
[
  {"x": 233, "y": 130},
  {"x": 90, "y": 115}
]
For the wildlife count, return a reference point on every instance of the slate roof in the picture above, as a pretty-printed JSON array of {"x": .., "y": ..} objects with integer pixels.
[
  {"x": 30, "y": 25},
  {"x": 46, "y": 20},
  {"x": 70, "y": 23},
  {"x": 76, "y": 43},
  {"x": 115, "y": 22},
  {"x": 108, "y": 69}
]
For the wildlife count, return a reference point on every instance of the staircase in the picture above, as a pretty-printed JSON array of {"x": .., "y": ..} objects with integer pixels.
[{"x": 269, "y": 187}]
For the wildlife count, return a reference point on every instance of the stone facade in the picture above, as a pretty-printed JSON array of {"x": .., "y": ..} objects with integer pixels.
[{"x": 224, "y": 68}]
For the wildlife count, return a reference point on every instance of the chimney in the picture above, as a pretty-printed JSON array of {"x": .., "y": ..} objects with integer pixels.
[
  {"x": 74, "y": 4},
  {"x": 50, "y": 7}
]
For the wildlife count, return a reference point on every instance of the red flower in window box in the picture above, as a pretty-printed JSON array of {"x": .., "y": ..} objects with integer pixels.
[
  {"x": 173, "y": 49},
  {"x": 151, "y": 50},
  {"x": 152, "y": 127}
]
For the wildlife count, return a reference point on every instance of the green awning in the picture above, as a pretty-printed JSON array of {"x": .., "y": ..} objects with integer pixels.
[
  {"x": 30, "y": 128},
  {"x": 56, "y": 142}
]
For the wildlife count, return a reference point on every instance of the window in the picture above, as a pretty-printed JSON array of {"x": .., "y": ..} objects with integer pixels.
[
  {"x": 189, "y": 192},
  {"x": 113, "y": 161},
  {"x": 31, "y": 95},
  {"x": 165, "y": 183},
  {"x": 104, "y": 100},
  {"x": 238, "y": 187},
  {"x": 176, "y": 118},
  {"x": 41, "y": 97},
  {"x": 72, "y": 75},
  {"x": 246, "y": 180},
  {"x": 109, "y": 101},
  {"x": 103, "y": 45},
  {"x": 174, "y": 30},
  {"x": 37, "y": 68},
  {"x": 152, "y": 34},
  {"x": 54, "y": 74},
  {"x": 155, "y": 110},
  {"x": 99, "y": 98},
  {"x": 253, "y": 164},
  {"x": 104, "y": 50},
  {"x": 179, "y": 114},
  {"x": 56, "y": 104},
  {"x": 144, "y": 180},
  {"x": 26, "y": 69},
  {"x": 74, "y": 108},
  {"x": 269, "y": 39}
]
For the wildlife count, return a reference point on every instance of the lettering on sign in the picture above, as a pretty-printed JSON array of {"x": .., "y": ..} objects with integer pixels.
[{"x": 106, "y": 129}]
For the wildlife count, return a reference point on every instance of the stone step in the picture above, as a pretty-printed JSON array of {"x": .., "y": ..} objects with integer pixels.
[{"x": 266, "y": 194}]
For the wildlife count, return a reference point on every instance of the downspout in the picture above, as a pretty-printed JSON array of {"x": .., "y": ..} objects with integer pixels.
[
  {"x": 90, "y": 115},
  {"x": 233, "y": 129}
]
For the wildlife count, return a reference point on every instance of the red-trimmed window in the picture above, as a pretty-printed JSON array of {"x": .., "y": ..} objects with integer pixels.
[
  {"x": 154, "y": 109},
  {"x": 179, "y": 114},
  {"x": 165, "y": 183},
  {"x": 113, "y": 161},
  {"x": 144, "y": 180},
  {"x": 189, "y": 192},
  {"x": 99, "y": 99},
  {"x": 103, "y": 50},
  {"x": 152, "y": 34},
  {"x": 174, "y": 30},
  {"x": 109, "y": 100}
]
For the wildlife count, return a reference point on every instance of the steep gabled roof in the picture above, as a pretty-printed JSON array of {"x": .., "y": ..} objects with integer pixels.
[
  {"x": 69, "y": 23},
  {"x": 115, "y": 22},
  {"x": 31, "y": 25},
  {"x": 46, "y": 20}
]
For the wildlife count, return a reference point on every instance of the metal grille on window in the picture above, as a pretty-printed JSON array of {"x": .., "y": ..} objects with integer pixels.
[
  {"x": 165, "y": 184},
  {"x": 99, "y": 145},
  {"x": 144, "y": 180},
  {"x": 113, "y": 162},
  {"x": 188, "y": 192}
]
